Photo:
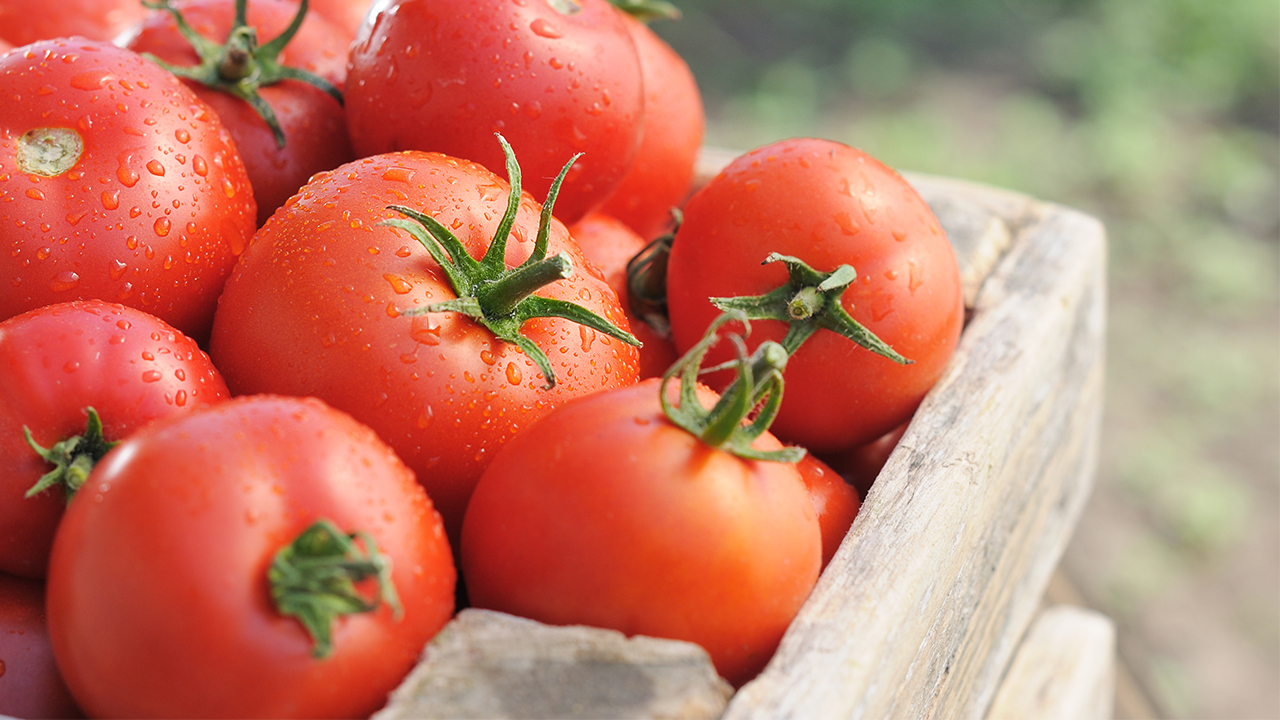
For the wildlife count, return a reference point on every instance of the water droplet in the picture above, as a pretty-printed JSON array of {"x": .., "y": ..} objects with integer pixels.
[
  {"x": 131, "y": 242},
  {"x": 71, "y": 366},
  {"x": 180, "y": 374},
  {"x": 35, "y": 194},
  {"x": 147, "y": 354},
  {"x": 425, "y": 417},
  {"x": 891, "y": 275},
  {"x": 182, "y": 136},
  {"x": 199, "y": 165},
  {"x": 90, "y": 80},
  {"x": 424, "y": 329},
  {"x": 847, "y": 224},
  {"x": 513, "y": 374},
  {"x": 163, "y": 226},
  {"x": 63, "y": 281},
  {"x": 398, "y": 284},
  {"x": 155, "y": 168},
  {"x": 915, "y": 276},
  {"x": 899, "y": 235},
  {"x": 398, "y": 174},
  {"x": 125, "y": 174},
  {"x": 116, "y": 270},
  {"x": 111, "y": 199},
  {"x": 151, "y": 376},
  {"x": 543, "y": 28},
  {"x": 74, "y": 218},
  {"x": 588, "y": 337},
  {"x": 228, "y": 188},
  {"x": 180, "y": 398}
]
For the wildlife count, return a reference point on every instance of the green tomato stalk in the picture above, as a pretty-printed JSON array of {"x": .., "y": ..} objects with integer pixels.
[
  {"x": 240, "y": 66},
  {"x": 757, "y": 389},
  {"x": 72, "y": 458},
  {"x": 313, "y": 579},
  {"x": 647, "y": 280},
  {"x": 809, "y": 301},
  {"x": 499, "y": 298},
  {"x": 648, "y": 10}
]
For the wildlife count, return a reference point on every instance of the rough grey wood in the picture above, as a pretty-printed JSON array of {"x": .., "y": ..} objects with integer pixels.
[
  {"x": 486, "y": 664},
  {"x": 1065, "y": 669},
  {"x": 922, "y": 607}
]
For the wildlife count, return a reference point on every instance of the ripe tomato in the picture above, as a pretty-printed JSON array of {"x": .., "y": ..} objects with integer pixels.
[
  {"x": 30, "y": 684},
  {"x": 56, "y": 361},
  {"x": 346, "y": 15},
  {"x": 118, "y": 183},
  {"x": 317, "y": 306},
  {"x": 610, "y": 245},
  {"x": 165, "y": 573},
  {"x": 26, "y": 21},
  {"x": 556, "y": 78},
  {"x": 835, "y": 501},
  {"x": 311, "y": 120},
  {"x": 605, "y": 513},
  {"x": 862, "y": 464},
  {"x": 673, "y": 129},
  {"x": 828, "y": 205}
]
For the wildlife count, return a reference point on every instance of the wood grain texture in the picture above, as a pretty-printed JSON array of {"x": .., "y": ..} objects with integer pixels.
[
  {"x": 1065, "y": 669},
  {"x": 923, "y": 605}
]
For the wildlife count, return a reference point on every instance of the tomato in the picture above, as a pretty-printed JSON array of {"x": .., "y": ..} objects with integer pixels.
[
  {"x": 321, "y": 304},
  {"x": 30, "y": 684},
  {"x": 827, "y": 205},
  {"x": 862, "y": 464},
  {"x": 556, "y": 78},
  {"x": 610, "y": 245},
  {"x": 167, "y": 577},
  {"x": 608, "y": 513},
  {"x": 311, "y": 121},
  {"x": 835, "y": 502},
  {"x": 56, "y": 361},
  {"x": 118, "y": 183},
  {"x": 26, "y": 21},
  {"x": 346, "y": 15},
  {"x": 673, "y": 129}
]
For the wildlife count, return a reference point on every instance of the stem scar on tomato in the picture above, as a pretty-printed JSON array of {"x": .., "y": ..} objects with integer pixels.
[
  {"x": 240, "y": 66},
  {"x": 313, "y": 579},
  {"x": 48, "y": 152},
  {"x": 72, "y": 457},
  {"x": 499, "y": 298},
  {"x": 807, "y": 302},
  {"x": 758, "y": 384}
]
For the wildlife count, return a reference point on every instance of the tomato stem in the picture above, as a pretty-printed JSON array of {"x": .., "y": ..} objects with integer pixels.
[
  {"x": 313, "y": 579},
  {"x": 647, "y": 280},
  {"x": 499, "y": 298},
  {"x": 809, "y": 301},
  {"x": 73, "y": 458},
  {"x": 648, "y": 10},
  {"x": 757, "y": 388},
  {"x": 240, "y": 66}
]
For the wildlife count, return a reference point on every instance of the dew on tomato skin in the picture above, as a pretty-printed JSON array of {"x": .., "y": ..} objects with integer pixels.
[
  {"x": 151, "y": 376},
  {"x": 891, "y": 275},
  {"x": 162, "y": 226},
  {"x": 399, "y": 285},
  {"x": 847, "y": 224},
  {"x": 425, "y": 417},
  {"x": 199, "y": 165},
  {"x": 63, "y": 281},
  {"x": 35, "y": 194},
  {"x": 71, "y": 366}
]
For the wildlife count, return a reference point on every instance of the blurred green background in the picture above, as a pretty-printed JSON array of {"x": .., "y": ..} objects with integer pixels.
[{"x": 1161, "y": 117}]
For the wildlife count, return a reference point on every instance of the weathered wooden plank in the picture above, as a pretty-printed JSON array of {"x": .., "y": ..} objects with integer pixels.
[
  {"x": 1065, "y": 669},
  {"x": 920, "y": 611}
]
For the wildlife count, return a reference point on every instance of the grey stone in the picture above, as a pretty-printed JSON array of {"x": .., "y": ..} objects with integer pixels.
[{"x": 486, "y": 664}]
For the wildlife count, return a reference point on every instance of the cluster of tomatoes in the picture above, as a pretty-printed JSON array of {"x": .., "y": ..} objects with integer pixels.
[{"x": 316, "y": 326}]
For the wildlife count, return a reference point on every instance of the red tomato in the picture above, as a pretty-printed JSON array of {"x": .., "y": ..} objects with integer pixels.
[
  {"x": 117, "y": 183},
  {"x": 159, "y": 599},
  {"x": 314, "y": 127},
  {"x": 346, "y": 15},
  {"x": 673, "y": 128},
  {"x": 862, "y": 464},
  {"x": 604, "y": 513},
  {"x": 30, "y": 684},
  {"x": 610, "y": 244},
  {"x": 829, "y": 205},
  {"x": 26, "y": 21},
  {"x": 444, "y": 75},
  {"x": 315, "y": 308},
  {"x": 835, "y": 501},
  {"x": 58, "y": 360}
]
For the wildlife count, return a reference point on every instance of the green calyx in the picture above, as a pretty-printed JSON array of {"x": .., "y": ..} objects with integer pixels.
[
  {"x": 240, "y": 66},
  {"x": 648, "y": 10},
  {"x": 647, "y": 280},
  {"x": 757, "y": 389},
  {"x": 72, "y": 458},
  {"x": 809, "y": 301},
  {"x": 489, "y": 293},
  {"x": 314, "y": 577}
]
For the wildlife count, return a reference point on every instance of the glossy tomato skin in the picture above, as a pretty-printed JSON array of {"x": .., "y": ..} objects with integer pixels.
[
  {"x": 313, "y": 121},
  {"x": 610, "y": 244},
  {"x": 606, "y": 514},
  {"x": 835, "y": 502},
  {"x": 674, "y": 124},
  {"x": 30, "y": 686},
  {"x": 445, "y": 76},
  {"x": 153, "y": 212},
  {"x": 314, "y": 308},
  {"x": 158, "y": 597},
  {"x": 26, "y": 21},
  {"x": 129, "y": 366},
  {"x": 827, "y": 204}
]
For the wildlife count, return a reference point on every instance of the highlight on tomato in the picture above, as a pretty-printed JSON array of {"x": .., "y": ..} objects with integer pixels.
[
  {"x": 668, "y": 514},
  {"x": 837, "y": 257},
  {"x": 118, "y": 184},
  {"x": 264, "y": 557},
  {"x": 429, "y": 299},
  {"x": 78, "y": 378}
]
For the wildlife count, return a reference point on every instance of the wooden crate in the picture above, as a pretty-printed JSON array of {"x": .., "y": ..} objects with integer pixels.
[{"x": 921, "y": 610}]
